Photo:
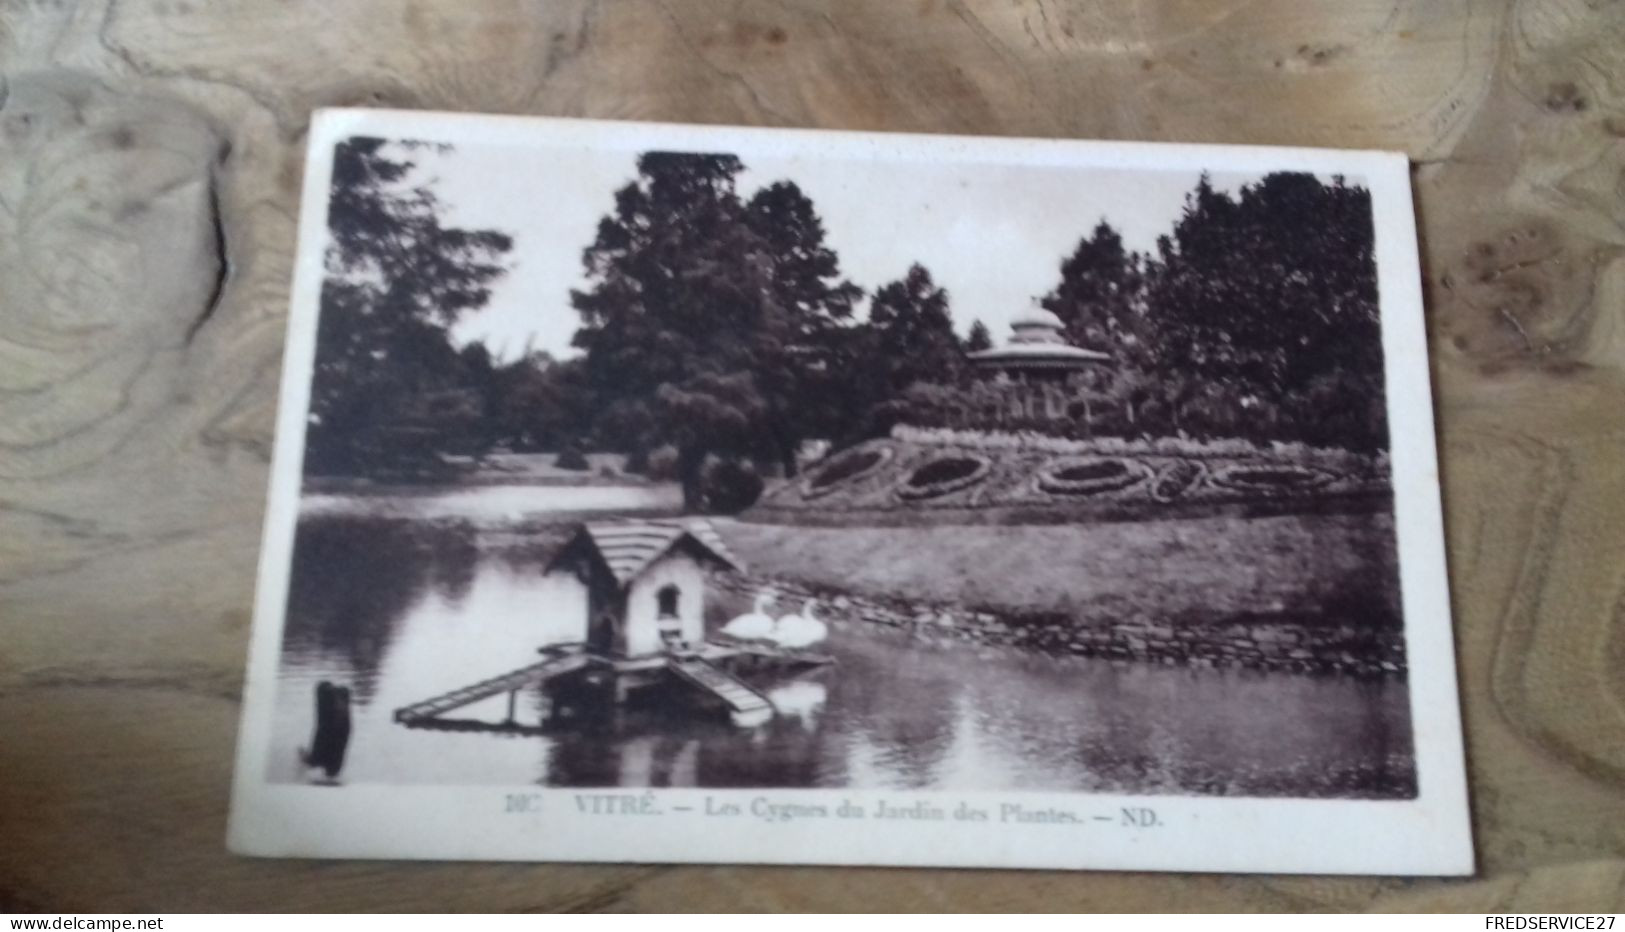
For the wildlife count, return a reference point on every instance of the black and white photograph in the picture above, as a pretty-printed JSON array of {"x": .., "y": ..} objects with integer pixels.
[{"x": 707, "y": 460}]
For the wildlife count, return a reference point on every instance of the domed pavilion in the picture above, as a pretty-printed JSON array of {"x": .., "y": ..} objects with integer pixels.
[{"x": 1037, "y": 372}]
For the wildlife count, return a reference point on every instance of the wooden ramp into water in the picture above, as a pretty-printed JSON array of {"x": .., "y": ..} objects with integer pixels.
[
  {"x": 557, "y": 662},
  {"x": 743, "y": 702}
]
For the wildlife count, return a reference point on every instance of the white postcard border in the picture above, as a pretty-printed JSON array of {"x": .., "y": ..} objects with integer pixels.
[{"x": 1429, "y": 835}]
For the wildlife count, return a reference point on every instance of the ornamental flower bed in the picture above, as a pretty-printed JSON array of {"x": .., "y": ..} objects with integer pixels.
[
  {"x": 1271, "y": 480},
  {"x": 1218, "y": 451},
  {"x": 1091, "y": 476},
  {"x": 941, "y": 473},
  {"x": 1177, "y": 480},
  {"x": 944, "y": 475},
  {"x": 845, "y": 469}
]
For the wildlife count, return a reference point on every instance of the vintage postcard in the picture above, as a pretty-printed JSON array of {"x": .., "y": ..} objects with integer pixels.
[{"x": 672, "y": 493}]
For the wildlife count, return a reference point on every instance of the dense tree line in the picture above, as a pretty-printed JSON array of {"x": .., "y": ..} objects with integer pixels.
[
  {"x": 1256, "y": 317},
  {"x": 390, "y": 390},
  {"x": 718, "y": 334}
]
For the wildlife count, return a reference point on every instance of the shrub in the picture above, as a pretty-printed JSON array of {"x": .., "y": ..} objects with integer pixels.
[
  {"x": 661, "y": 464},
  {"x": 572, "y": 458},
  {"x": 730, "y": 486},
  {"x": 636, "y": 461}
]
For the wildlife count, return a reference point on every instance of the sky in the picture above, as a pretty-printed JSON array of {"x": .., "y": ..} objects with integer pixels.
[{"x": 993, "y": 236}]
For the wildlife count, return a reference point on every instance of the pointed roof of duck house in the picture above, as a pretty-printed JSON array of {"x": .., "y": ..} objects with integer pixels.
[{"x": 629, "y": 547}]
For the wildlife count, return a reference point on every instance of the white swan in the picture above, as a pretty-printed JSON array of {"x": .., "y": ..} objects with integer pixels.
[
  {"x": 803, "y": 630},
  {"x": 754, "y": 625}
]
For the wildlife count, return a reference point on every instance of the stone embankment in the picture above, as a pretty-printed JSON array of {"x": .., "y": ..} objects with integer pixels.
[{"x": 1260, "y": 644}]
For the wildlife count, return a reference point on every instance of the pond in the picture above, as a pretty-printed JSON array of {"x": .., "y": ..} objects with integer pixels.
[{"x": 402, "y": 602}]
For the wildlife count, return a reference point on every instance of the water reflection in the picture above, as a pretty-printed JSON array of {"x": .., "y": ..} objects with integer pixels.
[
  {"x": 354, "y": 579},
  {"x": 801, "y": 699},
  {"x": 405, "y": 609}
]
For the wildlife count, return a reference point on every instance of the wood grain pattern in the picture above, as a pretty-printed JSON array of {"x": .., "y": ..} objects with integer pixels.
[{"x": 149, "y": 163}]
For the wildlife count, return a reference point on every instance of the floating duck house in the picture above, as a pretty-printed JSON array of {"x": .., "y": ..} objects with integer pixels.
[
  {"x": 643, "y": 626},
  {"x": 645, "y": 583}
]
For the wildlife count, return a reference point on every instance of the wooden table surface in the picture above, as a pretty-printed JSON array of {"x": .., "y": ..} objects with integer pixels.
[{"x": 150, "y": 155}]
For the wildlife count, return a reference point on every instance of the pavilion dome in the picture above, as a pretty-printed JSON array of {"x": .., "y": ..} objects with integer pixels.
[
  {"x": 1037, "y": 326},
  {"x": 1037, "y": 317},
  {"x": 1037, "y": 343}
]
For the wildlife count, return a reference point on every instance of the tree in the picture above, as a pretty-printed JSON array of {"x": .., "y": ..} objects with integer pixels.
[
  {"x": 801, "y": 378},
  {"x": 1272, "y": 292},
  {"x": 978, "y": 339},
  {"x": 1101, "y": 299},
  {"x": 719, "y": 326},
  {"x": 538, "y": 403},
  {"x": 908, "y": 339},
  {"x": 914, "y": 339},
  {"x": 389, "y": 389},
  {"x": 681, "y": 316}
]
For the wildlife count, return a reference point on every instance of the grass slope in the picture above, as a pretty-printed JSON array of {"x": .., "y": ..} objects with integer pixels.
[{"x": 1331, "y": 569}]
